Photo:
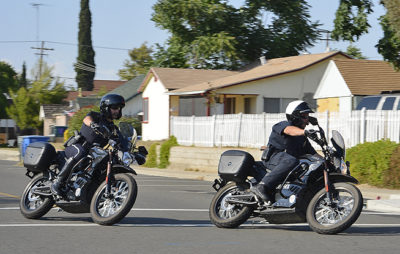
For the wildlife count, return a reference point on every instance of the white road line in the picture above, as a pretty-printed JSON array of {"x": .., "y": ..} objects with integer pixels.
[
  {"x": 136, "y": 209},
  {"x": 179, "y": 225},
  {"x": 201, "y": 210},
  {"x": 174, "y": 185}
]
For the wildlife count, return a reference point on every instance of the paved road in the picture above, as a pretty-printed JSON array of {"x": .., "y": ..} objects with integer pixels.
[{"x": 171, "y": 216}]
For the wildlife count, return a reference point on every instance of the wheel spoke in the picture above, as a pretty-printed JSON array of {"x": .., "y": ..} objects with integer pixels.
[{"x": 109, "y": 206}]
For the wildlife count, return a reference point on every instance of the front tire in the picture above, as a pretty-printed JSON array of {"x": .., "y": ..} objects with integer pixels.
[
  {"x": 108, "y": 211},
  {"x": 225, "y": 215},
  {"x": 325, "y": 219},
  {"x": 33, "y": 206}
]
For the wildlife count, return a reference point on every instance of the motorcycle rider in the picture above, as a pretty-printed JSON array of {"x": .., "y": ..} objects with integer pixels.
[
  {"x": 286, "y": 144},
  {"x": 94, "y": 124}
]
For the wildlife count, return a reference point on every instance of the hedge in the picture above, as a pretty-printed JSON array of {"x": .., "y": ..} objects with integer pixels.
[
  {"x": 165, "y": 151},
  {"x": 376, "y": 163},
  {"x": 151, "y": 158}
]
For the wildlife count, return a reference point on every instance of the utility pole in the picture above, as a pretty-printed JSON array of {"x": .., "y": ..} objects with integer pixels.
[
  {"x": 41, "y": 54},
  {"x": 41, "y": 48}
]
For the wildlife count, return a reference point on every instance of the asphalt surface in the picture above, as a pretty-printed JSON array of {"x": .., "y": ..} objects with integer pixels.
[{"x": 171, "y": 216}]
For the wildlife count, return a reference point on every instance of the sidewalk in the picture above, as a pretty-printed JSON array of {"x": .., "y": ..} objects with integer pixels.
[{"x": 377, "y": 199}]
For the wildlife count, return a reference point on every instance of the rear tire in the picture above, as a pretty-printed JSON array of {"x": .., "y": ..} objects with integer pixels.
[
  {"x": 108, "y": 211},
  {"x": 325, "y": 219},
  {"x": 33, "y": 206},
  {"x": 225, "y": 215}
]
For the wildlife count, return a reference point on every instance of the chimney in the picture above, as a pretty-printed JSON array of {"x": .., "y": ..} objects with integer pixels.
[{"x": 263, "y": 60}]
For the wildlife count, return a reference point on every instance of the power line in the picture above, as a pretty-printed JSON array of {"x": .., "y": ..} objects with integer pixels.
[{"x": 70, "y": 44}]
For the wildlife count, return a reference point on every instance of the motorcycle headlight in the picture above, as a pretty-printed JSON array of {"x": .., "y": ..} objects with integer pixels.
[{"x": 127, "y": 159}]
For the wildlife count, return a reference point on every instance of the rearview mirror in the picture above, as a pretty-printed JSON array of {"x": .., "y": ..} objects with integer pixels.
[{"x": 313, "y": 120}]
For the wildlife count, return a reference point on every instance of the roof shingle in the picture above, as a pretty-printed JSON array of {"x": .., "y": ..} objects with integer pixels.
[{"x": 368, "y": 77}]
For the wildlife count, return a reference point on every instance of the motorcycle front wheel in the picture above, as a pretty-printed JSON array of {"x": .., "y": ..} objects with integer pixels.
[
  {"x": 33, "y": 206},
  {"x": 108, "y": 210},
  {"x": 346, "y": 206},
  {"x": 225, "y": 215}
]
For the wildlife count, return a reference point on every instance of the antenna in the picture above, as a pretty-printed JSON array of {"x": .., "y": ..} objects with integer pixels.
[
  {"x": 36, "y": 6},
  {"x": 328, "y": 38}
]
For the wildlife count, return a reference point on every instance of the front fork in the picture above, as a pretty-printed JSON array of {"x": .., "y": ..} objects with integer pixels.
[
  {"x": 108, "y": 176},
  {"x": 328, "y": 187}
]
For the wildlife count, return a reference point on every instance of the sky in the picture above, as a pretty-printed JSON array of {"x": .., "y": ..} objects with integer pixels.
[{"x": 118, "y": 26}]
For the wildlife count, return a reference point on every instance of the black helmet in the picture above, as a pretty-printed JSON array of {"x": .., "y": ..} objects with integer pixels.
[
  {"x": 294, "y": 111},
  {"x": 109, "y": 100}
]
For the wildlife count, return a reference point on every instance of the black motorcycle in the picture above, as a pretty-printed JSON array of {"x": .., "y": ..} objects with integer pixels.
[
  {"x": 319, "y": 190},
  {"x": 101, "y": 183}
]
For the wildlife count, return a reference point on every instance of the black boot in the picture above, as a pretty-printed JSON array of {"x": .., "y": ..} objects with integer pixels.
[
  {"x": 62, "y": 176},
  {"x": 261, "y": 192}
]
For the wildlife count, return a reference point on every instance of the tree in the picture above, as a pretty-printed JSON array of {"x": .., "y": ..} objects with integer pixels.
[
  {"x": 393, "y": 15},
  {"x": 140, "y": 62},
  {"x": 22, "y": 81},
  {"x": 389, "y": 45},
  {"x": 351, "y": 19},
  {"x": 354, "y": 52},
  {"x": 8, "y": 81},
  {"x": 27, "y": 101},
  {"x": 213, "y": 34},
  {"x": 85, "y": 67}
]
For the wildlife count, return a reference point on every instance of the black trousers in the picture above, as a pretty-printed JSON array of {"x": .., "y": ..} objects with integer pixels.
[
  {"x": 76, "y": 151},
  {"x": 280, "y": 164}
]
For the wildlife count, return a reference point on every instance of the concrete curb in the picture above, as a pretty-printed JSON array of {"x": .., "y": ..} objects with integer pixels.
[{"x": 9, "y": 155}]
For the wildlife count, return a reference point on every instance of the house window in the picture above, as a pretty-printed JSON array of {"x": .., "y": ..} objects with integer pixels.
[
  {"x": 247, "y": 105},
  {"x": 230, "y": 105},
  {"x": 192, "y": 106},
  {"x": 276, "y": 105},
  {"x": 271, "y": 105},
  {"x": 145, "y": 110}
]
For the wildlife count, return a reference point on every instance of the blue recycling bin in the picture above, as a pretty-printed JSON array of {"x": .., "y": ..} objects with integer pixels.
[
  {"x": 26, "y": 140},
  {"x": 59, "y": 131}
]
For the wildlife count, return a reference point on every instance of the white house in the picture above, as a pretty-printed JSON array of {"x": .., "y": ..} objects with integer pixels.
[
  {"x": 267, "y": 88},
  {"x": 346, "y": 81},
  {"x": 158, "y": 105}
]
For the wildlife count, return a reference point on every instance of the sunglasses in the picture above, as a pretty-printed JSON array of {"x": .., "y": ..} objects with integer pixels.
[
  {"x": 115, "y": 107},
  {"x": 304, "y": 116}
]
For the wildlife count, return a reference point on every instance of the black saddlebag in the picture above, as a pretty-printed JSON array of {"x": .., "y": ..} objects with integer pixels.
[
  {"x": 235, "y": 165},
  {"x": 39, "y": 156}
]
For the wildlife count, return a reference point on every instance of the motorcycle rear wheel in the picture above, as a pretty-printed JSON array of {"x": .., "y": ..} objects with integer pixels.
[
  {"x": 225, "y": 215},
  {"x": 33, "y": 206},
  {"x": 347, "y": 206},
  {"x": 108, "y": 211}
]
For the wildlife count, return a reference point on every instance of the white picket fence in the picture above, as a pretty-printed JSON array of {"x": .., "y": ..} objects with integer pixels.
[{"x": 253, "y": 130}]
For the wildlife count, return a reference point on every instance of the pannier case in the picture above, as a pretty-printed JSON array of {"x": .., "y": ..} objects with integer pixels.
[
  {"x": 234, "y": 165},
  {"x": 38, "y": 156}
]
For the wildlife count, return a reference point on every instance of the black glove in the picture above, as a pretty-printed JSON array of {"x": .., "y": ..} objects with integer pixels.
[
  {"x": 311, "y": 134},
  {"x": 142, "y": 150},
  {"x": 141, "y": 159},
  {"x": 99, "y": 129}
]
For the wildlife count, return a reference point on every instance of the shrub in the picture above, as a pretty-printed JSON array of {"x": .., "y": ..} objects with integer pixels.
[
  {"x": 165, "y": 151},
  {"x": 151, "y": 159},
  {"x": 369, "y": 162},
  {"x": 391, "y": 177}
]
